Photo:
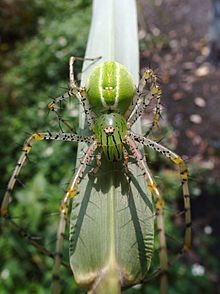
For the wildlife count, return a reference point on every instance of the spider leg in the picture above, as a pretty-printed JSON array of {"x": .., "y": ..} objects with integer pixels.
[
  {"x": 31, "y": 239},
  {"x": 140, "y": 103},
  {"x": 176, "y": 159},
  {"x": 71, "y": 62},
  {"x": 26, "y": 150},
  {"x": 159, "y": 211},
  {"x": 70, "y": 193},
  {"x": 65, "y": 122},
  {"x": 55, "y": 101},
  {"x": 125, "y": 163},
  {"x": 74, "y": 90},
  {"x": 137, "y": 97},
  {"x": 95, "y": 169},
  {"x": 156, "y": 116},
  {"x": 80, "y": 94}
]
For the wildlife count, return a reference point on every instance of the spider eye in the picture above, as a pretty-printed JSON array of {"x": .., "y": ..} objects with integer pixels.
[
  {"x": 108, "y": 88},
  {"x": 109, "y": 130}
]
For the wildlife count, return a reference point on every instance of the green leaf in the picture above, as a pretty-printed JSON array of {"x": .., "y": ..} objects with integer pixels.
[{"x": 112, "y": 225}]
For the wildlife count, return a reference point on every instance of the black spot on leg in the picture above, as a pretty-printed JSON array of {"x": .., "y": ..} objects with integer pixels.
[
  {"x": 58, "y": 254},
  {"x": 189, "y": 225},
  {"x": 186, "y": 196},
  {"x": 7, "y": 216},
  {"x": 62, "y": 235},
  {"x": 184, "y": 172},
  {"x": 56, "y": 278}
]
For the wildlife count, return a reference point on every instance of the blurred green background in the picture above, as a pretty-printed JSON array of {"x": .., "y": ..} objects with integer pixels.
[{"x": 36, "y": 42}]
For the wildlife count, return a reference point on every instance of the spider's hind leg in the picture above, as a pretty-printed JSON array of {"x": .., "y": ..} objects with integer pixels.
[
  {"x": 177, "y": 160},
  {"x": 159, "y": 202}
]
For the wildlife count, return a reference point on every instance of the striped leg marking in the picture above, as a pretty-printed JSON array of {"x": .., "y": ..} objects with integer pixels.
[
  {"x": 139, "y": 105},
  {"x": 159, "y": 211},
  {"x": 70, "y": 193},
  {"x": 156, "y": 117},
  {"x": 71, "y": 71},
  {"x": 82, "y": 91},
  {"x": 90, "y": 116},
  {"x": 73, "y": 91},
  {"x": 76, "y": 91},
  {"x": 138, "y": 97},
  {"x": 55, "y": 101},
  {"x": 26, "y": 150},
  {"x": 184, "y": 181}
]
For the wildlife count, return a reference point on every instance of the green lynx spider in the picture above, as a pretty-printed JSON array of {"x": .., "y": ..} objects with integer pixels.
[{"x": 111, "y": 104}]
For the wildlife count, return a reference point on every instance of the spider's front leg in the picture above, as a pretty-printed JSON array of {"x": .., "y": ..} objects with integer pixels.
[
  {"x": 26, "y": 150},
  {"x": 176, "y": 159},
  {"x": 159, "y": 211},
  {"x": 70, "y": 193},
  {"x": 74, "y": 90},
  {"x": 142, "y": 100}
]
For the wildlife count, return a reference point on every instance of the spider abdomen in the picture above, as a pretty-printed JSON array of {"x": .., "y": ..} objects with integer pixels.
[{"x": 110, "y": 87}]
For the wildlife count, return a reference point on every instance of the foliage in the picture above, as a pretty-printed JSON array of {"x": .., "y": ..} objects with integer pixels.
[{"x": 35, "y": 67}]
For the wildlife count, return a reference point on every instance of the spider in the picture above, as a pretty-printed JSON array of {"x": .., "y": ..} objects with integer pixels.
[{"x": 112, "y": 104}]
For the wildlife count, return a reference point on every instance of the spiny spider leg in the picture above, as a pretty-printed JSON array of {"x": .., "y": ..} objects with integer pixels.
[
  {"x": 156, "y": 91},
  {"x": 61, "y": 120},
  {"x": 175, "y": 158},
  {"x": 156, "y": 117},
  {"x": 95, "y": 169},
  {"x": 76, "y": 91},
  {"x": 125, "y": 163},
  {"x": 139, "y": 105},
  {"x": 138, "y": 98},
  {"x": 31, "y": 239},
  {"x": 71, "y": 62},
  {"x": 159, "y": 211},
  {"x": 70, "y": 193},
  {"x": 26, "y": 150}
]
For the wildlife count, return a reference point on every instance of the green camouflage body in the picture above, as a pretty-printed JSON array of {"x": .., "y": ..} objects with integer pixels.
[{"x": 110, "y": 90}]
